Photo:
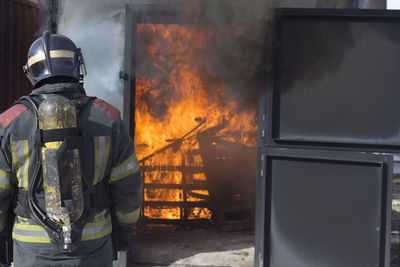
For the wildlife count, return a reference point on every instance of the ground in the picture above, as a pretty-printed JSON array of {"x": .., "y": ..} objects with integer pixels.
[{"x": 171, "y": 246}]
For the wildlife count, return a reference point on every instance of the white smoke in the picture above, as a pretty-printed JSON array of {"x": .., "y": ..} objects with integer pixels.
[{"x": 97, "y": 28}]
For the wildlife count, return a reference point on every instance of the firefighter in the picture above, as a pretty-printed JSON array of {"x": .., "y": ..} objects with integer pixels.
[{"x": 68, "y": 168}]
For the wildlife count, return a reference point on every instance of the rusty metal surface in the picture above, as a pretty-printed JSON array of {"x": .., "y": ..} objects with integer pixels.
[{"x": 21, "y": 22}]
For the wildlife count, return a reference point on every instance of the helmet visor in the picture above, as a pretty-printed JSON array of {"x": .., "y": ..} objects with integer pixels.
[
  {"x": 64, "y": 66},
  {"x": 39, "y": 69},
  {"x": 63, "y": 63}
]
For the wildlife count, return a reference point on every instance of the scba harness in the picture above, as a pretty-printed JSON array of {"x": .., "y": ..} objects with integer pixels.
[{"x": 60, "y": 196}]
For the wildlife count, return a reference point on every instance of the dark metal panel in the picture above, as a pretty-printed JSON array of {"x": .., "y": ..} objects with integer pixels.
[
  {"x": 338, "y": 13},
  {"x": 263, "y": 118},
  {"x": 3, "y": 43},
  {"x": 323, "y": 208},
  {"x": 374, "y": 4},
  {"x": 20, "y": 25},
  {"x": 52, "y": 7},
  {"x": 262, "y": 208},
  {"x": 129, "y": 74},
  {"x": 329, "y": 92}
]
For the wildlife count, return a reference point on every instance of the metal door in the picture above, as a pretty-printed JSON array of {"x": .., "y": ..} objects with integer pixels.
[
  {"x": 323, "y": 208},
  {"x": 335, "y": 80},
  {"x": 327, "y": 117}
]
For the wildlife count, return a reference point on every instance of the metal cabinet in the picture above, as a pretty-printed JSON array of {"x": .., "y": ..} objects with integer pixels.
[
  {"x": 323, "y": 208},
  {"x": 329, "y": 126}
]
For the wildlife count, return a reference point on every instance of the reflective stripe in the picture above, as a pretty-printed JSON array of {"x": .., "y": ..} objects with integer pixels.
[
  {"x": 62, "y": 53},
  {"x": 53, "y": 54},
  {"x": 36, "y": 58},
  {"x": 21, "y": 220},
  {"x": 30, "y": 233},
  {"x": 126, "y": 168},
  {"x": 20, "y": 153},
  {"x": 3, "y": 222},
  {"x": 27, "y": 231},
  {"x": 5, "y": 180},
  {"x": 25, "y": 237},
  {"x": 97, "y": 230},
  {"x": 102, "y": 152},
  {"x": 127, "y": 217}
]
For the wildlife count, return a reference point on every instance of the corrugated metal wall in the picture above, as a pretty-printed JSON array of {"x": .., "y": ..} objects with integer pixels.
[{"x": 21, "y": 22}]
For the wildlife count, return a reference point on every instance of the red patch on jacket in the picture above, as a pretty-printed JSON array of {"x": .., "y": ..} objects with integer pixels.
[
  {"x": 10, "y": 114},
  {"x": 111, "y": 110}
]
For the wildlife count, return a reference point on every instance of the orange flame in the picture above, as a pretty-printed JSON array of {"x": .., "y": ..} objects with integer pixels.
[{"x": 176, "y": 99}]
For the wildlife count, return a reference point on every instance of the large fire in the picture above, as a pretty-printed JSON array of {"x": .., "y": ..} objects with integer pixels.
[{"x": 176, "y": 101}]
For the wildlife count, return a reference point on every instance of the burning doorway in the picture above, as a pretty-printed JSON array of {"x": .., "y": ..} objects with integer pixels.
[{"x": 195, "y": 132}]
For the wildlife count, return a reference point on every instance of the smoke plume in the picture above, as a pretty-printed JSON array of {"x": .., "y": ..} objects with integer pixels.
[{"x": 98, "y": 28}]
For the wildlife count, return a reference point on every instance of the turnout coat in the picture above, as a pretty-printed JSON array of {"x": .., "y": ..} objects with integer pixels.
[{"x": 110, "y": 160}]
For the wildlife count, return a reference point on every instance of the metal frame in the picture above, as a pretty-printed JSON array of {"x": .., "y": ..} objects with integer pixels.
[
  {"x": 166, "y": 13},
  {"x": 269, "y": 100},
  {"x": 145, "y": 14},
  {"x": 154, "y": 14},
  {"x": 52, "y": 7},
  {"x": 264, "y": 180}
]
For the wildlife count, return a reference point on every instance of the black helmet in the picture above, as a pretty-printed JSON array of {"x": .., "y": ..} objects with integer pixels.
[{"x": 54, "y": 55}]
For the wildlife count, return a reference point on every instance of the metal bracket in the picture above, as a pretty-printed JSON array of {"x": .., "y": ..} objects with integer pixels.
[{"x": 123, "y": 76}]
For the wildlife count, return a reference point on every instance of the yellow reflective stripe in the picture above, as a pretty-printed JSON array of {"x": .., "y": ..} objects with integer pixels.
[
  {"x": 30, "y": 239},
  {"x": 102, "y": 151},
  {"x": 5, "y": 174},
  {"x": 126, "y": 168},
  {"x": 21, "y": 220},
  {"x": 97, "y": 230},
  {"x": 130, "y": 172},
  {"x": 32, "y": 233},
  {"x": 100, "y": 227},
  {"x": 127, "y": 217},
  {"x": 30, "y": 227},
  {"x": 5, "y": 180},
  {"x": 20, "y": 155},
  {"x": 15, "y": 160},
  {"x": 29, "y": 233},
  {"x": 5, "y": 186},
  {"x": 26, "y": 161}
]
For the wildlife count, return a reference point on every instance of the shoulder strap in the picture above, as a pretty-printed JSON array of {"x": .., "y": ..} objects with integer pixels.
[
  {"x": 81, "y": 102},
  {"x": 29, "y": 103}
]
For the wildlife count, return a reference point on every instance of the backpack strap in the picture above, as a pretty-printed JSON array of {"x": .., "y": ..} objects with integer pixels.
[{"x": 28, "y": 102}]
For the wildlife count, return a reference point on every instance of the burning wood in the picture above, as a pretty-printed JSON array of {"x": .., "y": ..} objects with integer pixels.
[{"x": 192, "y": 131}]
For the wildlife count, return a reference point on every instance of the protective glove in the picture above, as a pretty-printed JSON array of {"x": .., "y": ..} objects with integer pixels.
[{"x": 124, "y": 235}]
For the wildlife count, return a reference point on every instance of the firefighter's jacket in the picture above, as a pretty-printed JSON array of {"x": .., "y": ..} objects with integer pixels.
[{"x": 112, "y": 158}]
